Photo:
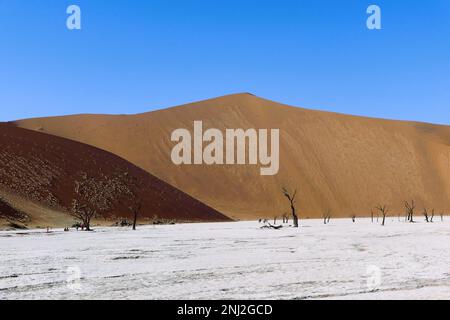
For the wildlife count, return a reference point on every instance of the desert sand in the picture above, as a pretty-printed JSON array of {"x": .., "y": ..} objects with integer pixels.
[
  {"x": 344, "y": 163},
  {"x": 39, "y": 174}
]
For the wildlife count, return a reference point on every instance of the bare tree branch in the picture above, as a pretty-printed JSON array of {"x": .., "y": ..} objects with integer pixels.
[
  {"x": 384, "y": 211},
  {"x": 291, "y": 199}
]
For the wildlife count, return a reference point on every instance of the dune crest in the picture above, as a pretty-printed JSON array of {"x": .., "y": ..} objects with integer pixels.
[{"x": 344, "y": 163}]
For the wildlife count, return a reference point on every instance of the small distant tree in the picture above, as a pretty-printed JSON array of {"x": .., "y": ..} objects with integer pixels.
[
  {"x": 90, "y": 199},
  {"x": 442, "y": 216},
  {"x": 425, "y": 214},
  {"x": 432, "y": 215},
  {"x": 410, "y": 210},
  {"x": 326, "y": 216},
  {"x": 135, "y": 208},
  {"x": 136, "y": 201},
  {"x": 371, "y": 214},
  {"x": 353, "y": 218},
  {"x": 82, "y": 212},
  {"x": 291, "y": 198},
  {"x": 384, "y": 211}
]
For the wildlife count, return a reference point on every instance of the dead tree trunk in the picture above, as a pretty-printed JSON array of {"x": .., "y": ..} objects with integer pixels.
[
  {"x": 83, "y": 213},
  {"x": 327, "y": 217},
  {"x": 291, "y": 198},
  {"x": 425, "y": 213},
  {"x": 432, "y": 215},
  {"x": 384, "y": 211},
  {"x": 135, "y": 210},
  {"x": 410, "y": 210}
]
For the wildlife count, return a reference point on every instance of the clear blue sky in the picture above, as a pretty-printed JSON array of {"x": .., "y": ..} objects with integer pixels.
[{"x": 136, "y": 56}]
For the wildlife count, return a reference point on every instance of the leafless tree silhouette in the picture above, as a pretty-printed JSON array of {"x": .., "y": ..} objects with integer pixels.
[
  {"x": 83, "y": 212},
  {"x": 291, "y": 198},
  {"x": 425, "y": 214},
  {"x": 135, "y": 208},
  {"x": 136, "y": 205},
  {"x": 91, "y": 198},
  {"x": 410, "y": 210},
  {"x": 384, "y": 211},
  {"x": 326, "y": 216}
]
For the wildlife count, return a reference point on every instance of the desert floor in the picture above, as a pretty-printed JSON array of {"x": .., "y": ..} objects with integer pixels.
[{"x": 341, "y": 260}]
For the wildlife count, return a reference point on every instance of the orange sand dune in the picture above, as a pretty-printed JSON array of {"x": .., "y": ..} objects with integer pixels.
[{"x": 344, "y": 163}]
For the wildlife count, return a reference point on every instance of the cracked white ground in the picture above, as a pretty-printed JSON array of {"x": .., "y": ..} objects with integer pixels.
[{"x": 342, "y": 260}]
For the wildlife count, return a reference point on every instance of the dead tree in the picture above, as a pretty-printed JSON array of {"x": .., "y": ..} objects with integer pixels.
[
  {"x": 410, "y": 210},
  {"x": 269, "y": 226},
  {"x": 327, "y": 216},
  {"x": 384, "y": 211},
  {"x": 83, "y": 212},
  {"x": 425, "y": 214},
  {"x": 442, "y": 216},
  {"x": 291, "y": 198},
  {"x": 135, "y": 208},
  {"x": 371, "y": 214},
  {"x": 353, "y": 218},
  {"x": 89, "y": 199},
  {"x": 432, "y": 215},
  {"x": 275, "y": 220},
  {"x": 136, "y": 200}
]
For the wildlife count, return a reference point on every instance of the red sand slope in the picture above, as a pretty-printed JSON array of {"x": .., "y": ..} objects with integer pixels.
[{"x": 43, "y": 169}]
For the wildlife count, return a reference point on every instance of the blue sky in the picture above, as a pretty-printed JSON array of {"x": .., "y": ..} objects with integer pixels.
[{"x": 136, "y": 56}]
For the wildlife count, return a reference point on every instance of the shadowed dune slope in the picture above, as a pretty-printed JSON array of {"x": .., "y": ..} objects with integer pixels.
[
  {"x": 44, "y": 169},
  {"x": 9, "y": 212},
  {"x": 344, "y": 163}
]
